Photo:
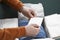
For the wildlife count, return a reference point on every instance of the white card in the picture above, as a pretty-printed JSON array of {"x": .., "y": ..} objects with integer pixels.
[
  {"x": 36, "y": 20},
  {"x": 44, "y": 39}
]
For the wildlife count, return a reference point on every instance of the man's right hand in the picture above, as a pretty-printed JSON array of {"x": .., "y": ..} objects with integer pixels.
[{"x": 32, "y": 30}]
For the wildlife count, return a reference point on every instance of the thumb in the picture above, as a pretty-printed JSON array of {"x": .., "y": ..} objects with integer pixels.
[{"x": 35, "y": 26}]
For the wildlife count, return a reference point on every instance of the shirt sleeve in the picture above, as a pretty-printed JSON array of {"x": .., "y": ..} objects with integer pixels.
[
  {"x": 16, "y": 4},
  {"x": 11, "y": 33}
]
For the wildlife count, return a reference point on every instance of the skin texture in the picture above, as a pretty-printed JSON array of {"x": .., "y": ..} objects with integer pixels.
[{"x": 28, "y": 12}]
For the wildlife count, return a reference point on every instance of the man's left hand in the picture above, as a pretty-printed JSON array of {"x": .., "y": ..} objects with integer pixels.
[{"x": 28, "y": 12}]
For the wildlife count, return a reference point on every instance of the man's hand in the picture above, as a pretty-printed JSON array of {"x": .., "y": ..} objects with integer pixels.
[
  {"x": 27, "y": 12},
  {"x": 32, "y": 30}
]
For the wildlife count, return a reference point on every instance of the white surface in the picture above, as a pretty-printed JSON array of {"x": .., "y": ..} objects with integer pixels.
[
  {"x": 9, "y": 23},
  {"x": 53, "y": 25},
  {"x": 36, "y": 20},
  {"x": 44, "y": 39},
  {"x": 38, "y": 9}
]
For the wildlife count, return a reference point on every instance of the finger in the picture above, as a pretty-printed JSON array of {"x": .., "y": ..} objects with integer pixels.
[
  {"x": 36, "y": 26},
  {"x": 33, "y": 13},
  {"x": 30, "y": 15}
]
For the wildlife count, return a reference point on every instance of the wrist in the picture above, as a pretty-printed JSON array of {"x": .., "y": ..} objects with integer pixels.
[{"x": 21, "y": 9}]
